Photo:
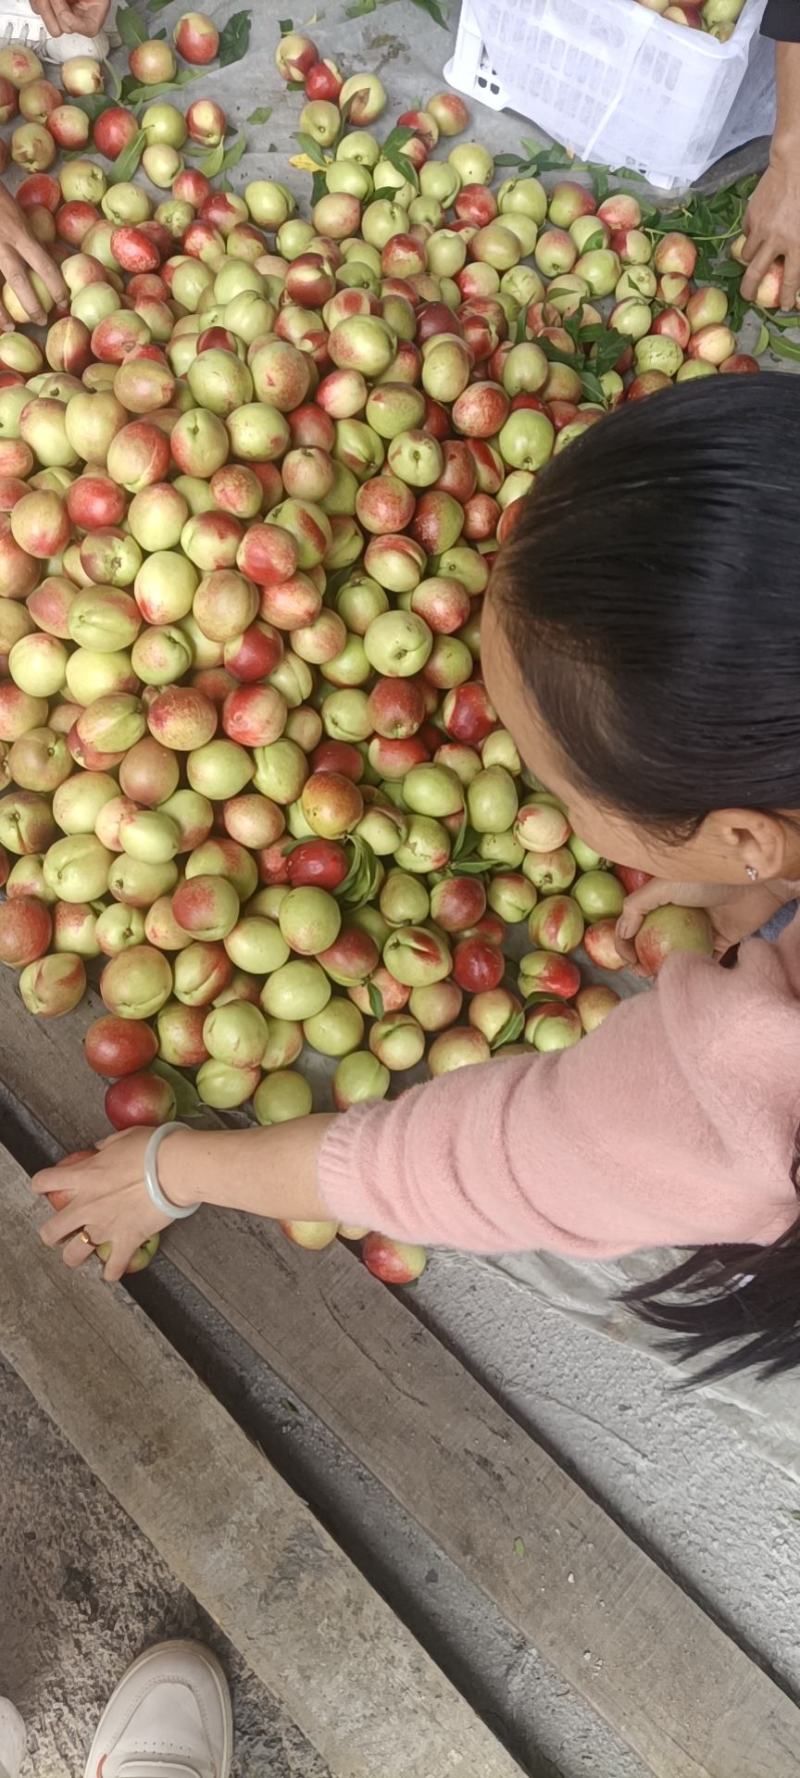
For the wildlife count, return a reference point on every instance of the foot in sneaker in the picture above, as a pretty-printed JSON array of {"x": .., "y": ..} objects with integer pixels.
[
  {"x": 12, "y": 1740},
  {"x": 170, "y": 1717}
]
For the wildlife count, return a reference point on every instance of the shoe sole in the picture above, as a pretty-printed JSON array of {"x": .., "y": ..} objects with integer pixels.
[{"x": 223, "y": 1693}]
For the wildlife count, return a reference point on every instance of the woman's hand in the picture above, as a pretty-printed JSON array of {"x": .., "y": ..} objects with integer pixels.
[
  {"x": 108, "y": 1199},
  {"x": 735, "y": 913},
  {"x": 772, "y": 227},
  {"x": 21, "y": 254},
  {"x": 87, "y": 17}
]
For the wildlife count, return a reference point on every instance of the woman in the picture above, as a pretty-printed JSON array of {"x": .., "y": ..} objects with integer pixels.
[{"x": 642, "y": 642}]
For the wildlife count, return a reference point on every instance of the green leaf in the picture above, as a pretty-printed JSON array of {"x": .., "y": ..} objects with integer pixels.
[
  {"x": 789, "y": 349},
  {"x": 397, "y": 138},
  {"x": 554, "y": 355},
  {"x": 234, "y": 39},
  {"x": 762, "y": 342},
  {"x": 126, "y": 163},
  {"x": 285, "y": 26},
  {"x": 547, "y": 160},
  {"x": 376, "y": 1007},
  {"x": 601, "y": 182},
  {"x": 510, "y": 1031},
  {"x": 608, "y": 350},
  {"x": 262, "y": 114},
  {"x": 319, "y": 187},
  {"x": 157, "y": 5},
  {"x": 473, "y": 866},
  {"x": 361, "y": 882},
  {"x": 93, "y": 105},
  {"x": 160, "y": 36},
  {"x": 187, "y": 1100},
  {"x": 465, "y": 838},
  {"x": 434, "y": 11},
  {"x": 572, "y": 324},
  {"x": 519, "y": 1547},
  {"x": 133, "y": 94},
  {"x": 593, "y": 388},
  {"x": 131, "y": 27},
  {"x": 770, "y": 317},
  {"x": 508, "y": 160},
  {"x": 233, "y": 155},
  {"x": 360, "y": 8},
  {"x": 311, "y": 148},
  {"x": 211, "y": 163}
]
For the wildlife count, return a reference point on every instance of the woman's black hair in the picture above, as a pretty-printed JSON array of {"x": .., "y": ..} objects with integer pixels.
[{"x": 652, "y": 594}]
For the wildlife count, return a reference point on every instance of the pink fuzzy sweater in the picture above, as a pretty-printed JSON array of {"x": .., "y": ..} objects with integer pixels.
[{"x": 674, "y": 1123}]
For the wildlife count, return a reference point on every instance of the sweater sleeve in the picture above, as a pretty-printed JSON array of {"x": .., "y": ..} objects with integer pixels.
[
  {"x": 673, "y": 1123},
  {"x": 782, "y": 21}
]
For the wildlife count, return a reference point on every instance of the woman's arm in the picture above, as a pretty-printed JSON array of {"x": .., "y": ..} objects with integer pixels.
[
  {"x": 21, "y": 254},
  {"x": 772, "y": 222},
  {"x": 673, "y": 1123},
  {"x": 270, "y": 1172}
]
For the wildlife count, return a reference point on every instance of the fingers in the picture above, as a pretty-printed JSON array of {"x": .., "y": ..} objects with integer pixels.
[
  {"x": 53, "y": 1179},
  {"x": 117, "y": 1264},
  {"x": 39, "y": 261},
  {"x": 47, "y": 15},
  {"x": 76, "y": 1252},
  {"x": 63, "y": 1224},
  {"x": 653, "y": 895},
  {"x": 753, "y": 233},
  {"x": 13, "y": 268},
  {"x": 88, "y": 16},
  {"x": 791, "y": 277},
  {"x": 759, "y": 254},
  {"x": 625, "y": 947},
  {"x": 67, "y": 17}
]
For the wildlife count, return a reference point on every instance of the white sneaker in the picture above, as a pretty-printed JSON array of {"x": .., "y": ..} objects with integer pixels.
[
  {"x": 170, "y": 1717},
  {"x": 12, "y": 1739},
  {"x": 20, "y": 24}
]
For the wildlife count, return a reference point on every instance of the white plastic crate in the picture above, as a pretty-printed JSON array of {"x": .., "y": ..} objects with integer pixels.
[{"x": 617, "y": 83}]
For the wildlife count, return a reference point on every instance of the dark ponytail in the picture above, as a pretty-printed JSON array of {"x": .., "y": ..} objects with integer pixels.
[
  {"x": 652, "y": 595},
  {"x": 742, "y": 1298}
]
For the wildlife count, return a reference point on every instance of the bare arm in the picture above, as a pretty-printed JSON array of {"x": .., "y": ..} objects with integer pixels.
[
  {"x": 772, "y": 222},
  {"x": 270, "y": 1172}
]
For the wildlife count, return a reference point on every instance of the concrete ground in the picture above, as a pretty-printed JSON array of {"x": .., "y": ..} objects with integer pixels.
[{"x": 81, "y": 1591}]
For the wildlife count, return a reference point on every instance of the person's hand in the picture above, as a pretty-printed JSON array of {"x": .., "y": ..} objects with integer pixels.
[
  {"x": 87, "y": 17},
  {"x": 108, "y": 1199},
  {"x": 21, "y": 254},
  {"x": 735, "y": 913},
  {"x": 772, "y": 227}
]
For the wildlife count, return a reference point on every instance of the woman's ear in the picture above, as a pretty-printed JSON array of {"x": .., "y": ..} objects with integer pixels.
[{"x": 757, "y": 843}]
